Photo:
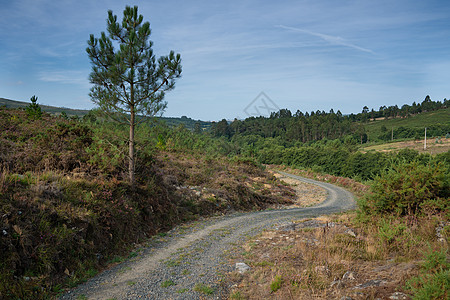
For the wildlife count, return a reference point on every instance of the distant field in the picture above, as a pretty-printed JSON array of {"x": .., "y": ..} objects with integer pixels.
[
  {"x": 442, "y": 116},
  {"x": 433, "y": 146}
]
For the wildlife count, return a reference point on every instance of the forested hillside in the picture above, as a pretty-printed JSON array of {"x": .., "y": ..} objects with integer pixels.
[{"x": 307, "y": 127}]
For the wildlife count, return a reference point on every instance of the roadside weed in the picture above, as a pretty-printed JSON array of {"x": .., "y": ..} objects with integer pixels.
[
  {"x": 167, "y": 283},
  {"x": 203, "y": 288}
]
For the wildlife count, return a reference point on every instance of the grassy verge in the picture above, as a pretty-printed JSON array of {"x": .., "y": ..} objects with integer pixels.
[
  {"x": 385, "y": 249},
  {"x": 342, "y": 257}
]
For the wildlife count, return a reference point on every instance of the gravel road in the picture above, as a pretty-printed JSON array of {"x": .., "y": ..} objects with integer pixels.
[{"x": 188, "y": 263}]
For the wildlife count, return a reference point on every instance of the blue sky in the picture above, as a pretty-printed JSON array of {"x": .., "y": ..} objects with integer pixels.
[{"x": 306, "y": 55}]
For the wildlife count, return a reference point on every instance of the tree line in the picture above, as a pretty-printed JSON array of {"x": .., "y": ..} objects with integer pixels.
[
  {"x": 318, "y": 125},
  {"x": 401, "y": 112}
]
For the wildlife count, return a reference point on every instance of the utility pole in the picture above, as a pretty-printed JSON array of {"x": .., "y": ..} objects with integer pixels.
[
  {"x": 425, "y": 142},
  {"x": 392, "y": 134}
]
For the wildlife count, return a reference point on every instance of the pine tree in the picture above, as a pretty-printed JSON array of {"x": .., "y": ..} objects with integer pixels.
[
  {"x": 33, "y": 109},
  {"x": 128, "y": 80}
]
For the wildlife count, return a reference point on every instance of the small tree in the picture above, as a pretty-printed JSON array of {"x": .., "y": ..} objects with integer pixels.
[
  {"x": 34, "y": 110},
  {"x": 128, "y": 80}
]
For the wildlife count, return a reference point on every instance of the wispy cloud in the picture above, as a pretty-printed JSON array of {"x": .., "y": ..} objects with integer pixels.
[
  {"x": 334, "y": 40},
  {"x": 66, "y": 77},
  {"x": 333, "y": 52},
  {"x": 12, "y": 83}
]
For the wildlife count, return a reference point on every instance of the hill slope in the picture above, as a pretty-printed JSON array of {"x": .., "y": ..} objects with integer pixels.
[
  {"x": 171, "y": 122},
  {"x": 439, "y": 118}
]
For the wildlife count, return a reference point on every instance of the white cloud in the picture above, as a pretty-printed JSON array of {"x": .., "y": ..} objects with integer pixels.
[
  {"x": 333, "y": 40},
  {"x": 65, "y": 77}
]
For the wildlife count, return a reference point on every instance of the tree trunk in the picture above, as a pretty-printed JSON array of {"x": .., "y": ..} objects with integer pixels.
[{"x": 131, "y": 165}]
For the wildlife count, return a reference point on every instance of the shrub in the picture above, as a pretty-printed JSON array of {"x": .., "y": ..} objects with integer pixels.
[
  {"x": 434, "y": 280},
  {"x": 275, "y": 285},
  {"x": 408, "y": 188},
  {"x": 33, "y": 109},
  {"x": 388, "y": 231}
]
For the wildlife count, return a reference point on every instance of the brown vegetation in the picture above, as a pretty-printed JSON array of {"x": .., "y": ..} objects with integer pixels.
[
  {"x": 335, "y": 257},
  {"x": 356, "y": 255},
  {"x": 67, "y": 209}
]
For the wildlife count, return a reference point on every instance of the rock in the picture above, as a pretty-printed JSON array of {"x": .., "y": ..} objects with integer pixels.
[
  {"x": 439, "y": 229},
  {"x": 312, "y": 242},
  {"x": 360, "y": 295},
  {"x": 331, "y": 224},
  {"x": 337, "y": 283},
  {"x": 321, "y": 269},
  {"x": 398, "y": 296},
  {"x": 311, "y": 224},
  {"x": 242, "y": 267},
  {"x": 350, "y": 232},
  {"x": 48, "y": 189},
  {"x": 287, "y": 227},
  {"x": 349, "y": 275},
  {"x": 370, "y": 283}
]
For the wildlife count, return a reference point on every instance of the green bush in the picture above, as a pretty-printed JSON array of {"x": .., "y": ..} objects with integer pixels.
[
  {"x": 388, "y": 231},
  {"x": 33, "y": 109},
  {"x": 408, "y": 188},
  {"x": 275, "y": 285},
  {"x": 434, "y": 280}
]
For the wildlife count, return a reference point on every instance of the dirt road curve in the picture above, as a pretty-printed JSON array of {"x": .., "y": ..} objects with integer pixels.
[{"x": 189, "y": 262}]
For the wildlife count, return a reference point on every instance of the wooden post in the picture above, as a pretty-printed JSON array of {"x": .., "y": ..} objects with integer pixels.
[{"x": 425, "y": 141}]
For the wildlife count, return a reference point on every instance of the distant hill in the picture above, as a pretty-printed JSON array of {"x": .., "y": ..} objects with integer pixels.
[
  {"x": 172, "y": 122},
  {"x": 50, "y": 109},
  {"x": 437, "y": 122}
]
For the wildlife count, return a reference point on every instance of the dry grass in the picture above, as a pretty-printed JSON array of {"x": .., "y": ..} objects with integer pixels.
[
  {"x": 216, "y": 183},
  {"x": 328, "y": 262},
  {"x": 433, "y": 146}
]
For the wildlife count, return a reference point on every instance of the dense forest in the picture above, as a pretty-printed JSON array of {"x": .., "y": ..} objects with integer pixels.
[{"x": 314, "y": 126}]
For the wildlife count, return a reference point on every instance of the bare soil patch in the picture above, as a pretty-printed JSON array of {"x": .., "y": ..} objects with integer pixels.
[{"x": 306, "y": 194}]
